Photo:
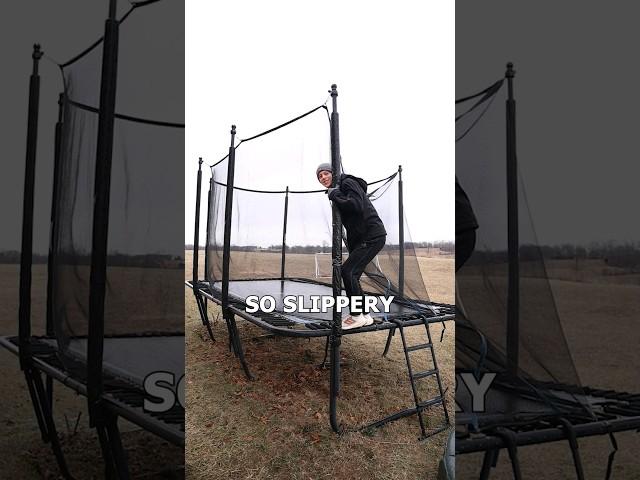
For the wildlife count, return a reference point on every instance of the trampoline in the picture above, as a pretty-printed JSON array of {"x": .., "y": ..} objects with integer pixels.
[
  {"x": 314, "y": 324},
  {"x": 507, "y": 323},
  {"x": 113, "y": 313},
  {"x": 263, "y": 237}
]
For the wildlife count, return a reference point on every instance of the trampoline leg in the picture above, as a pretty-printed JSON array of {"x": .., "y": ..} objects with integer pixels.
[
  {"x": 488, "y": 462},
  {"x": 208, "y": 325},
  {"x": 392, "y": 332},
  {"x": 119, "y": 455},
  {"x": 115, "y": 458},
  {"x": 334, "y": 384},
  {"x": 29, "y": 377},
  {"x": 49, "y": 385},
  {"x": 109, "y": 470},
  {"x": 230, "y": 334},
  {"x": 52, "y": 434},
  {"x": 326, "y": 355},
  {"x": 234, "y": 337},
  {"x": 202, "y": 309}
]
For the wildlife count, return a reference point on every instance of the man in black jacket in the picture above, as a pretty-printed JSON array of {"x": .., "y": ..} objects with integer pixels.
[{"x": 365, "y": 234}]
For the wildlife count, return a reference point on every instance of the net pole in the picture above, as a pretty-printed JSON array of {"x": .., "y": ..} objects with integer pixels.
[
  {"x": 102, "y": 186},
  {"x": 228, "y": 211},
  {"x": 400, "y": 233},
  {"x": 206, "y": 241},
  {"x": 336, "y": 257},
  {"x": 513, "y": 299},
  {"x": 26, "y": 255},
  {"x": 284, "y": 232},
  {"x": 54, "y": 212},
  {"x": 196, "y": 234}
]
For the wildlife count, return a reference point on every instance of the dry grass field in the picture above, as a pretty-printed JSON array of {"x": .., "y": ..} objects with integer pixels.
[
  {"x": 277, "y": 427},
  {"x": 23, "y": 455}
]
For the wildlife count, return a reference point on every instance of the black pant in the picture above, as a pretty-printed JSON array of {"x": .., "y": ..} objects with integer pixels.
[
  {"x": 465, "y": 243},
  {"x": 354, "y": 266}
]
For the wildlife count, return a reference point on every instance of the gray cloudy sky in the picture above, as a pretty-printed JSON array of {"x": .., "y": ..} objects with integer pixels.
[
  {"x": 257, "y": 64},
  {"x": 577, "y": 97},
  {"x": 63, "y": 29}
]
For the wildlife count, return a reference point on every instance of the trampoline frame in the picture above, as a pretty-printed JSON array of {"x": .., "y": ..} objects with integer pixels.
[
  {"x": 203, "y": 292},
  {"x": 37, "y": 359},
  {"x": 546, "y": 429}
]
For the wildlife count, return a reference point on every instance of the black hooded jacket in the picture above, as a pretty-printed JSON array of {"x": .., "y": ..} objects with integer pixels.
[
  {"x": 359, "y": 216},
  {"x": 465, "y": 218}
]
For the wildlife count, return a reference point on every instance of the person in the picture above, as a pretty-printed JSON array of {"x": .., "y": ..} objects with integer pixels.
[
  {"x": 366, "y": 235},
  {"x": 466, "y": 226}
]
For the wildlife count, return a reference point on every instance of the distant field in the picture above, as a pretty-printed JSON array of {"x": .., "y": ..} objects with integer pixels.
[{"x": 280, "y": 420}]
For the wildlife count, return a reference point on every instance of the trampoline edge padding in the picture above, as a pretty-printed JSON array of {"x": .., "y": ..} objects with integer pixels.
[
  {"x": 121, "y": 396},
  {"x": 286, "y": 324}
]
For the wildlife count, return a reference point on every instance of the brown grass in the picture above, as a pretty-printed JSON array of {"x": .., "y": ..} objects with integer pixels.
[
  {"x": 277, "y": 426},
  {"x": 23, "y": 455},
  {"x": 599, "y": 311}
]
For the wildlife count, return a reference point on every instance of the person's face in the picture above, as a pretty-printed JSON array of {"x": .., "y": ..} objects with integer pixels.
[{"x": 325, "y": 178}]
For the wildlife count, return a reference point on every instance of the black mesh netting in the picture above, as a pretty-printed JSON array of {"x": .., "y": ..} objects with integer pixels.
[
  {"x": 280, "y": 167},
  {"x": 482, "y": 283},
  {"x": 145, "y": 253}
]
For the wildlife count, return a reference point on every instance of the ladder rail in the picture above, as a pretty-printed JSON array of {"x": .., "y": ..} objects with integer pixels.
[
  {"x": 437, "y": 369},
  {"x": 420, "y": 406},
  {"x": 413, "y": 383}
]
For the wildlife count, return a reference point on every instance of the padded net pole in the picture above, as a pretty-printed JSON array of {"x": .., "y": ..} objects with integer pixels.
[
  {"x": 52, "y": 222},
  {"x": 336, "y": 256},
  {"x": 26, "y": 255},
  {"x": 206, "y": 242},
  {"x": 196, "y": 234},
  {"x": 108, "y": 83},
  {"x": 228, "y": 210},
  {"x": 513, "y": 298},
  {"x": 400, "y": 234},
  {"x": 284, "y": 232}
]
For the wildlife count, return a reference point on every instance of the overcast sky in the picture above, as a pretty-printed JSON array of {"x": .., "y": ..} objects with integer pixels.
[
  {"x": 577, "y": 101},
  {"x": 64, "y": 29},
  {"x": 56, "y": 26},
  {"x": 257, "y": 64}
]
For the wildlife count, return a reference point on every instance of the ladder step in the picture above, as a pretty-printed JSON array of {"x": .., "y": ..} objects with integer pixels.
[
  {"x": 435, "y": 432},
  {"x": 430, "y": 403},
  {"x": 422, "y": 346},
  {"x": 424, "y": 374}
]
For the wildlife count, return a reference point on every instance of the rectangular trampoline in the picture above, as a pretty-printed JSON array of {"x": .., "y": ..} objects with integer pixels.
[{"x": 314, "y": 324}]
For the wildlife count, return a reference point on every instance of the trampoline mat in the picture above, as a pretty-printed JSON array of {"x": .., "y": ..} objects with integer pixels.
[
  {"x": 134, "y": 358},
  {"x": 278, "y": 289},
  {"x": 501, "y": 405}
]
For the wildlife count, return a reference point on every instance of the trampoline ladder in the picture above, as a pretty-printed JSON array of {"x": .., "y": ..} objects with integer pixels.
[{"x": 424, "y": 404}]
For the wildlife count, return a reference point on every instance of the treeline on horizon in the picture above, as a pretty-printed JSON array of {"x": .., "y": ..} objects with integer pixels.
[
  {"x": 625, "y": 255},
  {"x": 115, "y": 259},
  {"x": 445, "y": 246}
]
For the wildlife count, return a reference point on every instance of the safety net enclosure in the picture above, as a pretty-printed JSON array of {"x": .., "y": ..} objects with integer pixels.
[
  {"x": 114, "y": 313},
  {"x": 144, "y": 258},
  {"x": 508, "y": 322},
  {"x": 281, "y": 221},
  {"x": 268, "y": 222}
]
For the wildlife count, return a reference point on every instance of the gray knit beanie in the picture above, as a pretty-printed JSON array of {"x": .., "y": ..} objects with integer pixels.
[{"x": 323, "y": 167}]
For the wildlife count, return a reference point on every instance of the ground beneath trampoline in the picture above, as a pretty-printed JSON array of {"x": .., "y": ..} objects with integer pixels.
[
  {"x": 595, "y": 307},
  {"x": 24, "y": 455},
  {"x": 277, "y": 427}
]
